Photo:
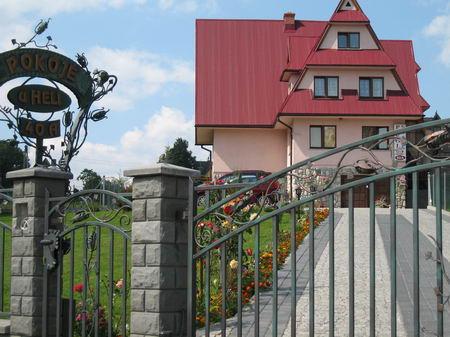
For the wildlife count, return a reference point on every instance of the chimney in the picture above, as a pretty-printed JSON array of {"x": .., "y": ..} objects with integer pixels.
[{"x": 289, "y": 21}]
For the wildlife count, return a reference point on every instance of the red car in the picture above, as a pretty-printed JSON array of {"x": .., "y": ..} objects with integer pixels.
[{"x": 248, "y": 177}]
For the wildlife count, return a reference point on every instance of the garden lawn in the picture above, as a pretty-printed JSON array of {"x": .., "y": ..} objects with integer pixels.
[{"x": 78, "y": 271}]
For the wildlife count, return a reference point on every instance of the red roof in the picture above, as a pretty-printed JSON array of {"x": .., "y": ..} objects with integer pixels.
[
  {"x": 402, "y": 53},
  {"x": 303, "y": 103},
  {"x": 349, "y": 16},
  {"x": 350, "y": 58},
  {"x": 238, "y": 68},
  {"x": 299, "y": 50},
  {"x": 239, "y": 64}
]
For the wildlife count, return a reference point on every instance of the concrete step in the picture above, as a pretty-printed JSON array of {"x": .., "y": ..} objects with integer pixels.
[{"x": 5, "y": 325}]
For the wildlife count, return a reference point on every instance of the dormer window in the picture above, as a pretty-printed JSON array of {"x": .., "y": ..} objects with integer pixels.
[
  {"x": 326, "y": 87},
  {"x": 371, "y": 87},
  {"x": 348, "y": 41}
]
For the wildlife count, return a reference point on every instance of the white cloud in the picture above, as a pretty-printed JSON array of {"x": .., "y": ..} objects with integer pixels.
[
  {"x": 141, "y": 74},
  {"x": 439, "y": 28},
  {"x": 52, "y": 7},
  {"x": 187, "y": 6},
  {"x": 139, "y": 147}
]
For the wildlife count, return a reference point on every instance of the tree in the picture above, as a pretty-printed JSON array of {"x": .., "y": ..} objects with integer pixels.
[
  {"x": 91, "y": 179},
  {"x": 179, "y": 155},
  {"x": 12, "y": 158}
]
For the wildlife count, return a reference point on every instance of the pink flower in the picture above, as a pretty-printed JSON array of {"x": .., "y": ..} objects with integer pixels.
[
  {"x": 119, "y": 284},
  {"x": 81, "y": 317}
]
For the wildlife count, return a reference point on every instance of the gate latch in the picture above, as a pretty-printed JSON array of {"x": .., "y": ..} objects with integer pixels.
[{"x": 51, "y": 246}]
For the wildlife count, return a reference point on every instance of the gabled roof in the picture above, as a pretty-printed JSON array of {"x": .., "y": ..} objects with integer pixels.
[
  {"x": 356, "y": 15},
  {"x": 238, "y": 68},
  {"x": 349, "y": 16},
  {"x": 239, "y": 63},
  {"x": 302, "y": 103},
  {"x": 336, "y": 57}
]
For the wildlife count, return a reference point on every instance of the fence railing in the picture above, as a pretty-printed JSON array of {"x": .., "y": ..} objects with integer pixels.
[
  {"x": 224, "y": 275},
  {"x": 93, "y": 268},
  {"x": 5, "y": 250}
]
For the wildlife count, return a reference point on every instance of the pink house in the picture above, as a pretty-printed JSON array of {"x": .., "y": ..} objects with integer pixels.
[{"x": 270, "y": 93}]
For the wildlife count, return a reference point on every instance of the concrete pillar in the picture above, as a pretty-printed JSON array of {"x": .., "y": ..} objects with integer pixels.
[
  {"x": 159, "y": 250},
  {"x": 29, "y": 188}
]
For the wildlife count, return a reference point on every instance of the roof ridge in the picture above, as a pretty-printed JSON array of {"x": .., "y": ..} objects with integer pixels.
[{"x": 392, "y": 40}]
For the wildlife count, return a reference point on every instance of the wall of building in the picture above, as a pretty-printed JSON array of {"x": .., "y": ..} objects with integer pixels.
[
  {"x": 249, "y": 149},
  {"x": 349, "y": 78},
  {"x": 331, "y": 39},
  {"x": 347, "y": 131}
]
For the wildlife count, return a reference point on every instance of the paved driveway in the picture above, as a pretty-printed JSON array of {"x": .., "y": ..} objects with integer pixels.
[{"x": 362, "y": 254}]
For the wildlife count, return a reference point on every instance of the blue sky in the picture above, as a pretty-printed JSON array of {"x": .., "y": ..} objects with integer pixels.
[{"x": 149, "y": 44}]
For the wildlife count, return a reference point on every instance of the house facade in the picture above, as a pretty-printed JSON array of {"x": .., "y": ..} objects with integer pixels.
[{"x": 270, "y": 93}]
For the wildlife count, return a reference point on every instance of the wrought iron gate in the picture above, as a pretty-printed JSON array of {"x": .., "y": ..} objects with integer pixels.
[
  {"x": 229, "y": 272},
  {"x": 86, "y": 258},
  {"x": 5, "y": 250}
]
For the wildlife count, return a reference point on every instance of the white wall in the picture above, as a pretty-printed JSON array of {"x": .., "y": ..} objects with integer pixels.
[
  {"x": 349, "y": 78},
  {"x": 331, "y": 39}
]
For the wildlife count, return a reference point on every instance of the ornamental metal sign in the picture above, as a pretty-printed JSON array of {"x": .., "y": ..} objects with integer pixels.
[
  {"x": 399, "y": 146},
  {"x": 39, "y": 98},
  {"x": 39, "y": 129},
  {"x": 46, "y": 64},
  {"x": 34, "y": 105}
]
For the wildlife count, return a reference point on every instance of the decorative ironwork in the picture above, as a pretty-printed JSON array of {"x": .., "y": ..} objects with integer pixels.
[
  {"x": 310, "y": 178},
  {"x": 439, "y": 260},
  {"x": 40, "y": 28},
  {"x": 219, "y": 262},
  {"x": 91, "y": 226},
  {"x": 89, "y": 206},
  {"x": 89, "y": 88}
]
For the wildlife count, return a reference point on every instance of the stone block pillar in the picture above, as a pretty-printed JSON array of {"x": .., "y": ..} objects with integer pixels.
[
  {"x": 159, "y": 250},
  {"x": 29, "y": 188}
]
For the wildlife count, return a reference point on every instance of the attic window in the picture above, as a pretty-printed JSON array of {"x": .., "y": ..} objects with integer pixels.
[
  {"x": 348, "y": 41},
  {"x": 348, "y": 4}
]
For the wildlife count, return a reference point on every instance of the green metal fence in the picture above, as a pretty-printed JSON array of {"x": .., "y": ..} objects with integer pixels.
[
  {"x": 5, "y": 249},
  {"x": 218, "y": 237}
]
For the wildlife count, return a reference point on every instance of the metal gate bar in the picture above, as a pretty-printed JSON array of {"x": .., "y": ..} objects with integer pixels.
[{"x": 200, "y": 253}]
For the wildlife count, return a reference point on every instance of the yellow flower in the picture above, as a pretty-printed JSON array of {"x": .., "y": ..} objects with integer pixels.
[
  {"x": 253, "y": 216},
  {"x": 234, "y": 264},
  {"x": 226, "y": 224}
]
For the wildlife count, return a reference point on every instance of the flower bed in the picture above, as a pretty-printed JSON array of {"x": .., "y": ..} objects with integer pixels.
[{"x": 214, "y": 229}]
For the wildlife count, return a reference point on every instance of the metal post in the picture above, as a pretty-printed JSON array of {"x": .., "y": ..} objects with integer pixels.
[
  {"x": 430, "y": 197},
  {"x": 103, "y": 188},
  {"x": 39, "y": 150},
  {"x": 445, "y": 189}
]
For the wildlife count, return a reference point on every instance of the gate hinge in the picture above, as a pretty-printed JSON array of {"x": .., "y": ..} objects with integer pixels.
[{"x": 51, "y": 243}]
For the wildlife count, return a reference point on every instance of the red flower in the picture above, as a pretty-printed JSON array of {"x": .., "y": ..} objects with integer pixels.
[
  {"x": 249, "y": 252},
  {"x": 228, "y": 209},
  {"x": 81, "y": 317},
  {"x": 78, "y": 288}
]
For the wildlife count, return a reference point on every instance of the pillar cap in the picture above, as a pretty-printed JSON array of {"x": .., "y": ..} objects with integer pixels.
[
  {"x": 162, "y": 169},
  {"x": 39, "y": 172}
]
